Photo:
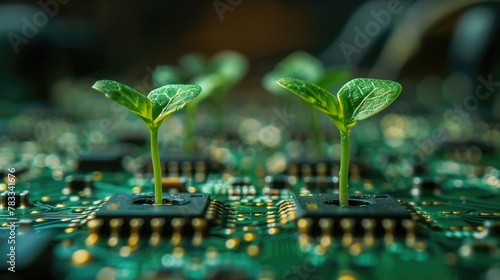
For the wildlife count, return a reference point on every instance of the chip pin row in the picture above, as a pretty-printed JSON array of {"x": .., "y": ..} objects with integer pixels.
[
  {"x": 136, "y": 225},
  {"x": 349, "y": 229}
]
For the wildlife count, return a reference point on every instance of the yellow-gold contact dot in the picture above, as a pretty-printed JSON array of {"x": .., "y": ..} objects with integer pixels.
[
  {"x": 65, "y": 219},
  {"x": 253, "y": 250},
  {"x": 250, "y": 228},
  {"x": 457, "y": 212},
  {"x": 273, "y": 231},
  {"x": 81, "y": 257},
  {"x": 496, "y": 213},
  {"x": 79, "y": 210},
  {"x": 178, "y": 252},
  {"x": 136, "y": 189},
  {"x": 5, "y": 224},
  {"x": 35, "y": 212},
  {"x": 69, "y": 230},
  {"x": 232, "y": 243},
  {"x": 229, "y": 231},
  {"x": 106, "y": 273},
  {"x": 346, "y": 275},
  {"x": 249, "y": 237},
  {"x": 355, "y": 249},
  {"x": 445, "y": 212},
  {"x": 45, "y": 198},
  {"x": 86, "y": 202},
  {"x": 271, "y": 221},
  {"x": 39, "y": 220},
  {"x": 259, "y": 203},
  {"x": 3, "y": 187},
  {"x": 191, "y": 189},
  {"x": 60, "y": 205},
  {"x": 92, "y": 239},
  {"x": 485, "y": 214},
  {"x": 96, "y": 176},
  {"x": 125, "y": 251}
]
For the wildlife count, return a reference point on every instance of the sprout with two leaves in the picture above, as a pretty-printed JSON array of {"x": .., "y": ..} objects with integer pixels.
[
  {"x": 217, "y": 75},
  {"x": 303, "y": 66},
  {"x": 153, "y": 110},
  {"x": 357, "y": 100}
]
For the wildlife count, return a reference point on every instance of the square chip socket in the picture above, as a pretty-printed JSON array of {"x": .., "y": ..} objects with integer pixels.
[
  {"x": 125, "y": 213},
  {"x": 378, "y": 214}
]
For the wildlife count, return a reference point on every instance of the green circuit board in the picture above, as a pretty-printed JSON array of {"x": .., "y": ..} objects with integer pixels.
[{"x": 248, "y": 206}]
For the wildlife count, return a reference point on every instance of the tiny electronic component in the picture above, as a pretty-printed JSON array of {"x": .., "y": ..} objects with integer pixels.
[
  {"x": 123, "y": 212},
  {"x": 101, "y": 160},
  {"x": 21, "y": 199},
  {"x": 78, "y": 185},
  {"x": 384, "y": 211},
  {"x": 322, "y": 183}
]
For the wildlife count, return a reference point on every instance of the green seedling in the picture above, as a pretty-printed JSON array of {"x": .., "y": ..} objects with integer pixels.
[
  {"x": 216, "y": 75},
  {"x": 303, "y": 66},
  {"x": 357, "y": 100},
  {"x": 160, "y": 104}
]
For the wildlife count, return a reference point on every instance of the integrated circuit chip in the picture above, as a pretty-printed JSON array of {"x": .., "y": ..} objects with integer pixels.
[
  {"x": 178, "y": 212},
  {"x": 383, "y": 212}
]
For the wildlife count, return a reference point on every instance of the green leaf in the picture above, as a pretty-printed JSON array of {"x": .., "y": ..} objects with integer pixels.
[
  {"x": 362, "y": 98},
  {"x": 166, "y": 75},
  {"x": 171, "y": 98},
  {"x": 299, "y": 65},
  {"x": 334, "y": 78},
  {"x": 231, "y": 65},
  {"x": 126, "y": 96},
  {"x": 314, "y": 95},
  {"x": 210, "y": 83},
  {"x": 193, "y": 63}
]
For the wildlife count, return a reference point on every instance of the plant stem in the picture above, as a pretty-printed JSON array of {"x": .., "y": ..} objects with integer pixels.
[
  {"x": 344, "y": 169},
  {"x": 316, "y": 129},
  {"x": 155, "y": 157}
]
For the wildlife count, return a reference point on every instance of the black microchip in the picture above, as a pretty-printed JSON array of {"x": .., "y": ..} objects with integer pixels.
[
  {"x": 278, "y": 182},
  {"x": 127, "y": 206},
  {"x": 326, "y": 167},
  {"x": 185, "y": 165},
  {"x": 323, "y": 183},
  {"x": 76, "y": 184},
  {"x": 364, "y": 206},
  {"x": 110, "y": 159},
  {"x": 240, "y": 182}
]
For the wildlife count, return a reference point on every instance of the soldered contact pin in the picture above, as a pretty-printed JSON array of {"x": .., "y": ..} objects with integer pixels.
[
  {"x": 156, "y": 226},
  {"x": 347, "y": 226},
  {"x": 199, "y": 226},
  {"x": 135, "y": 230},
  {"x": 389, "y": 227},
  {"x": 115, "y": 225},
  {"x": 368, "y": 228},
  {"x": 326, "y": 226}
]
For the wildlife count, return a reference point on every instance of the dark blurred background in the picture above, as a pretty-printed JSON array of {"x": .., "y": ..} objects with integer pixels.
[{"x": 437, "y": 49}]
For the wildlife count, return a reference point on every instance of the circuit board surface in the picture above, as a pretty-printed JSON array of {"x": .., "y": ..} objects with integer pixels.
[{"x": 246, "y": 208}]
